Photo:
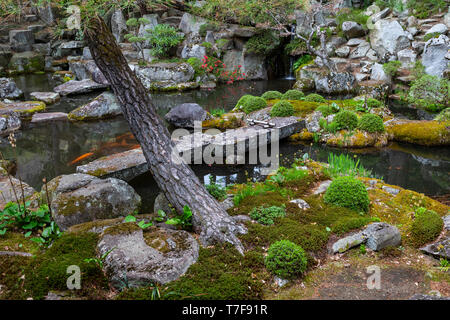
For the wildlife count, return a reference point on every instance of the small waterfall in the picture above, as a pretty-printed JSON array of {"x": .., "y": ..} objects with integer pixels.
[{"x": 291, "y": 75}]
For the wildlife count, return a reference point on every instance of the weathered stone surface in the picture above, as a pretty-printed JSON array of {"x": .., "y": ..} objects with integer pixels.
[
  {"x": 380, "y": 15},
  {"x": 196, "y": 51},
  {"x": 322, "y": 187},
  {"x": 446, "y": 222},
  {"x": 47, "y": 97},
  {"x": 146, "y": 256},
  {"x": 252, "y": 65},
  {"x": 118, "y": 25},
  {"x": 78, "y": 198},
  {"x": 336, "y": 82},
  {"x": 360, "y": 139},
  {"x": 348, "y": 242},
  {"x": 173, "y": 73},
  {"x": 360, "y": 51},
  {"x": 393, "y": 191},
  {"x": 440, "y": 249},
  {"x": 9, "y": 191},
  {"x": 184, "y": 115},
  {"x": 50, "y": 116},
  {"x": 24, "y": 109},
  {"x": 144, "y": 29},
  {"x": 161, "y": 203},
  {"x": 420, "y": 296},
  {"x": 9, "y": 89},
  {"x": 9, "y": 123},
  {"x": 407, "y": 57},
  {"x": 102, "y": 107},
  {"x": 78, "y": 87},
  {"x": 191, "y": 24},
  {"x": 87, "y": 69},
  {"x": 21, "y": 40},
  {"x": 312, "y": 121},
  {"x": 352, "y": 29},
  {"x": 26, "y": 62},
  {"x": 381, "y": 235},
  {"x": 378, "y": 74},
  {"x": 302, "y": 204},
  {"x": 438, "y": 28},
  {"x": 343, "y": 51},
  {"x": 433, "y": 57},
  {"x": 388, "y": 37}
]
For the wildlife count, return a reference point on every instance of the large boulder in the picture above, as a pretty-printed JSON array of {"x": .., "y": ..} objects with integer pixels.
[
  {"x": 78, "y": 87},
  {"x": 185, "y": 114},
  {"x": 191, "y": 24},
  {"x": 437, "y": 28},
  {"x": 336, "y": 83},
  {"x": 352, "y": 29},
  {"x": 118, "y": 25},
  {"x": 252, "y": 65},
  {"x": 9, "y": 89},
  {"x": 78, "y": 198},
  {"x": 9, "y": 123},
  {"x": 407, "y": 57},
  {"x": 378, "y": 74},
  {"x": 195, "y": 50},
  {"x": 142, "y": 257},
  {"x": 171, "y": 73},
  {"x": 9, "y": 191},
  {"x": 26, "y": 62},
  {"x": 102, "y": 107},
  {"x": 388, "y": 37},
  {"x": 24, "y": 109},
  {"x": 434, "y": 55},
  {"x": 21, "y": 40}
]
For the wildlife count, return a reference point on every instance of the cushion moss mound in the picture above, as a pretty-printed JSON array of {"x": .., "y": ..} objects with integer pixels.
[
  {"x": 426, "y": 227},
  {"x": 286, "y": 259},
  {"x": 293, "y": 95},
  {"x": 252, "y": 103},
  {"x": 282, "y": 109},
  {"x": 272, "y": 95},
  {"x": 371, "y": 123},
  {"x": 348, "y": 192},
  {"x": 49, "y": 270},
  {"x": 346, "y": 120},
  {"x": 314, "y": 97}
]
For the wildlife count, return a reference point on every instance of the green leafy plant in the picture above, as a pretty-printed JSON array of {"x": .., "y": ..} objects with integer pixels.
[
  {"x": 423, "y": 9},
  {"x": 345, "y": 165},
  {"x": 99, "y": 261},
  {"x": 286, "y": 259},
  {"x": 163, "y": 38},
  {"x": 371, "y": 123},
  {"x": 348, "y": 192},
  {"x": 184, "y": 220},
  {"x": 20, "y": 217},
  {"x": 314, "y": 97},
  {"x": 262, "y": 43},
  {"x": 196, "y": 63},
  {"x": 362, "y": 249},
  {"x": 133, "y": 37},
  {"x": 217, "y": 191},
  {"x": 444, "y": 115},
  {"x": 272, "y": 95},
  {"x": 218, "y": 112},
  {"x": 267, "y": 216},
  {"x": 282, "y": 108},
  {"x": 346, "y": 119},
  {"x": 426, "y": 227},
  {"x": 331, "y": 127},
  {"x": 142, "y": 224},
  {"x": 355, "y": 15},
  {"x": 444, "y": 265},
  {"x": 430, "y": 93},
  {"x": 391, "y": 68},
  {"x": 326, "y": 110},
  {"x": 302, "y": 61},
  {"x": 49, "y": 235}
]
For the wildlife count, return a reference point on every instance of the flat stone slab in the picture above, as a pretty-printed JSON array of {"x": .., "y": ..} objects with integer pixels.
[
  {"x": 440, "y": 249},
  {"x": 130, "y": 164},
  {"x": 47, "y": 97},
  {"x": 78, "y": 87},
  {"x": 49, "y": 116},
  {"x": 24, "y": 109}
]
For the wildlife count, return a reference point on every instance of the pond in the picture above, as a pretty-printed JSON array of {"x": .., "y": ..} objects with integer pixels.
[{"x": 55, "y": 148}]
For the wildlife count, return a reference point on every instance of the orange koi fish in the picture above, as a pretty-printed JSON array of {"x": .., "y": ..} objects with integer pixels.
[{"x": 82, "y": 157}]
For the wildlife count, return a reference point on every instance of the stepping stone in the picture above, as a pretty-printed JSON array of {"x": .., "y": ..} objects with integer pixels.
[
  {"x": 24, "y": 109},
  {"x": 78, "y": 87},
  {"x": 47, "y": 97},
  {"x": 50, "y": 116},
  {"x": 439, "y": 249}
]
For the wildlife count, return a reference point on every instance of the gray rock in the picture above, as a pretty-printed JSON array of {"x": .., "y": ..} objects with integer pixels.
[
  {"x": 446, "y": 222},
  {"x": 185, "y": 114},
  {"x": 411, "y": 21},
  {"x": 141, "y": 257},
  {"x": 336, "y": 82},
  {"x": 7, "y": 191},
  {"x": 9, "y": 89},
  {"x": 433, "y": 57},
  {"x": 144, "y": 29},
  {"x": 42, "y": 48},
  {"x": 87, "y": 54},
  {"x": 355, "y": 42},
  {"x": 27, "y": 62},
  {"x": 343, "y": 51},
  {"x": 174, "y": 73},
  {"x": 407, "y": 57},
  {"x": 102, "y": 107},
  {"x": 380, "y": 15},
  {"x": 381, "y": 235},
  {"x": 50, "y": 116},
  {"x": 87, "y": 69},
  {"x": 302, "y": 204},
  {"x": 9, "y": 123},
  {"x": 227, "y": 203},
  {"x": 413, "y": 31},
  {"x": 78, "y": 198},
  {"x": 118, "y": 25},
  {"x": 420, "y": 296},
  {"x": 161, "y": 203},
  {"x": 388, "y": 37},
  {"x": 47, "y": 97},
  {"x": 391, "y": 190},
  {"x": 352, "y": 29},
  {"x": 360, "y": 51},
  {"x": 322, "y": 187},
  {"x": 196, "y": 51},
  {"x": 348, "y": 242},
  {"x": 280, "y": 282},
  {"x": 252, "y": 65},
  {"x": 446, "y": 19},
  {"x": 440, "y": 249},
  {"x": 372, "y": 9},
  {"x": 210, "y": 37},
  {"x": 378, "y": 73},
  {"x": 191, "y": 24},
  {"x": 78, "y": 87},
  {"x": 21, "y": 40},
  {"x": 438, "y": 28},
  {"x": 418, "y": 46},
  {"x": 312, "y": 121}
]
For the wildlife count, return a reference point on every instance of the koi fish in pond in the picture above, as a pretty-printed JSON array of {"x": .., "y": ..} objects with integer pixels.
[{"x": 81, "y": 158}]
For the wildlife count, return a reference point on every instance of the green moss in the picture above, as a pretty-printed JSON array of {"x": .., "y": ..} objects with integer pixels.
[
  {"x": 252, "y": 104},
  {"x": 426, "y": 133},
  {"x": 267, "y": 215},
  {"x": 282, "y": 109},
  {"x": 427, "y": 226},
  {"x": 100, "y": 172},
  {"x": 48, "y": 271},
  {"x": 348, "y": 192},
  {"x": 12, "y": 271},
  {"x": 271, "y": 95},
  {"x": 15, "y": 241},
  {"x": 123, "y": 228},
  {"x": 293, "y": 95},
  {"x": 444, "y": 115},
  {"x": 263, "y": 43},
  {"x": 346, "y": 120},
  {"x": 326, "y": 110},
  {"x": 314, "y": 97},
  {"x": 391, "y": 68},
  {"x": 286, "y": 259},
  {"x": 371, "y": 123},
  {"x": 208, "y": 26}
]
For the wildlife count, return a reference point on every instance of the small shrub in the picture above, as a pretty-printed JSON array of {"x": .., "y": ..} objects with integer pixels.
[
  {"x": 426, "y": 227},
  {"x": 314, "y": 97},
  {"x": 348, "y": 192},
  {"x": 444, "y": 115},
  {"x": 282, "y": 109},
  {"x": 217, "y": 191},
  {"x": 272, "y": 95},
  {"x": 326, "y": 110},
  {"x": 262, "y": 44},
  {"x": 293, "y": 95},
  {"x": 267, "y": 216},
  {"x": 196, "y": 63},
  {"x": 303, "y": 60},
  {"x": 331, "y": 127},
  {"x": 371, "y": 123},
  {"x": 253, "y": 104},
  {"x": 163, "y": 38},
  {"x": 423, "y": 9},
  {"x": 430, "y": 93},
  {"x": 391, "y": 67},
  {"x": 286, "y": 259},
  {"x": 346, "y": 120},
  {"x": 240, "y": 104}
]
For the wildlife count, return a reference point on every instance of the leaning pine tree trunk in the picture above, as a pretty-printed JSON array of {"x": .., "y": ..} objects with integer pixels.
[{"x": 177, "y": 181}]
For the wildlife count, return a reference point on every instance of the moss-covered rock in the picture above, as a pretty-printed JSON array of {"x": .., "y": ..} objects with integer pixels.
[
  {"x": 24, "y": 109},
  {"x": 426, "y": 133},
  {"x": 356, "y": 139},
  {"x": 26, "y": 62}
]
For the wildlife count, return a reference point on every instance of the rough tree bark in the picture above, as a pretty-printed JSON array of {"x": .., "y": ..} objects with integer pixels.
[{"x": 178, "y": 182}]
